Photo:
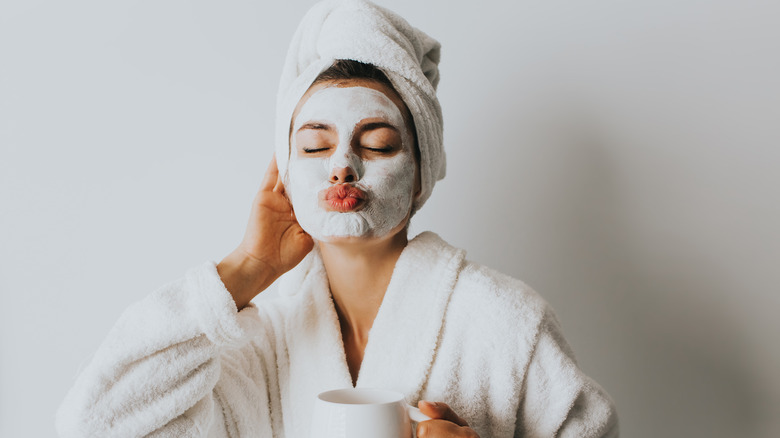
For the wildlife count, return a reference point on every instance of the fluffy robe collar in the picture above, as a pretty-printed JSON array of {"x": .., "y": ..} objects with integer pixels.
[{"x": 403, "y": 340}]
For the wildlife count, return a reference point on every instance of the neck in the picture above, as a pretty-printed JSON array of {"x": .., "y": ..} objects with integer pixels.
[{"x": 359, "y": 273}]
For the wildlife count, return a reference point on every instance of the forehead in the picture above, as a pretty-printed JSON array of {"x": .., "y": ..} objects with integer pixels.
[
  {"x": 348, "y": 105},
  {"x": 388, "y": 92}
]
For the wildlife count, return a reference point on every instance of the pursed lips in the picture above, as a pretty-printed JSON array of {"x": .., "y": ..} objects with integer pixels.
[{"x": 343, "y": 198}]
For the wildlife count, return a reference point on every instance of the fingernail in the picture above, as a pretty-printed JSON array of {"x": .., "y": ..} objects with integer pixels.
[{"x": 422, "y": 430}]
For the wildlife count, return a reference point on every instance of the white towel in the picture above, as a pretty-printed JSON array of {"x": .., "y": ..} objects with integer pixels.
[{"x": 362, "y": 31}]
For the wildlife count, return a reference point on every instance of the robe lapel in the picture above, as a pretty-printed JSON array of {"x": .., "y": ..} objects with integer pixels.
[
  {"x": 402, "y": 342},
  {"x": 317, "y": 361}
]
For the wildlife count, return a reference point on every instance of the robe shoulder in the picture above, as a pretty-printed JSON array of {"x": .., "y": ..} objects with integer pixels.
[
  {"x": 499, "y": 307},
  {"x": 509, "y": 300}
]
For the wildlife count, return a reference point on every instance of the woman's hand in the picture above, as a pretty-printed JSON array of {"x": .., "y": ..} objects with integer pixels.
[
  {"x": 445, "y": 423},
  {"x": 273, "y": 243}
]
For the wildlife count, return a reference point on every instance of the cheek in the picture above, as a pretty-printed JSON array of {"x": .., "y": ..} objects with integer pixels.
[
  {"x": 306, "y": 175},
  {"x": 396, "y": 173}
]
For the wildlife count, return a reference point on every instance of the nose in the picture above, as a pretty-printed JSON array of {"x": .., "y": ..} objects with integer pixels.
[{"x": 342, "y": 175}]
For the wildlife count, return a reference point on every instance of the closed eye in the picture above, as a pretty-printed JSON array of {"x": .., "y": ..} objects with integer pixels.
[
  {"x": 314, "y": 150},
  {"x": 382, "y": 150}
]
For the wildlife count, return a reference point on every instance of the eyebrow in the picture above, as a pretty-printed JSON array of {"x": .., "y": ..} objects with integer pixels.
[
  {"x": 377, "y": 125},
  {"x": 315, "y": 125},
  {"x": 367, "y": 127}
]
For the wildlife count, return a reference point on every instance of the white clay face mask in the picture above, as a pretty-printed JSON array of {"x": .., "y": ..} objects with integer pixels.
[{"x": 343, "y": 179}]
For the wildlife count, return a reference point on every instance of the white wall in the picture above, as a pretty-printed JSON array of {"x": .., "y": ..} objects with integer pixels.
[{"x": 620, "y": 157}]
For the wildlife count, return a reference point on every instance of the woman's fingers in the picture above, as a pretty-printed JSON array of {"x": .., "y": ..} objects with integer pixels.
[
  {"x": 271, "y": 177},
  {"x": 440, "y": 411},
  {"x": 445, "y": 422},
  {"x": 279, "y": 186},
  {"x": 272, "y": 181},
  {"x": 444, "y": 429}
]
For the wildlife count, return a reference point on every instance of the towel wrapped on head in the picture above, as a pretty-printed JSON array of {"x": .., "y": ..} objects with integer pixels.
[{"x": 364, "y": 32}]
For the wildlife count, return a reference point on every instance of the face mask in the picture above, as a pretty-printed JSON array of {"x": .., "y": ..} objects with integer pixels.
[{"x": 380, "y": 195}]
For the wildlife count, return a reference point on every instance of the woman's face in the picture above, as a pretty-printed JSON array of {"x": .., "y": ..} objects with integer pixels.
[{"x": 352, "y": 170}]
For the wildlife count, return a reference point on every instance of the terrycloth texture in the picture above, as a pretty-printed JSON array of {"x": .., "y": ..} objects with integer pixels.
[
  {"x": 183, "y": 362},
  {"x": 362, "y": 31}
]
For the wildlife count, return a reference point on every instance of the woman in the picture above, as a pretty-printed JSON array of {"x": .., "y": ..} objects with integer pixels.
[{"x": 358, "y": 152}]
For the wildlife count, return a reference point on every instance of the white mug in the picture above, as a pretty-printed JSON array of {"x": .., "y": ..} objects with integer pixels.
[{"x": 362, "y": 413}]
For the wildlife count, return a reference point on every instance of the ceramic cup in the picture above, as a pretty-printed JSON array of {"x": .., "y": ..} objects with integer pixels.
[{"x": 363, "y": 412}]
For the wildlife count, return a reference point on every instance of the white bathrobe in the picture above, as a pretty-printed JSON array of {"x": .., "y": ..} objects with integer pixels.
[{"x": 183, "y": 362}]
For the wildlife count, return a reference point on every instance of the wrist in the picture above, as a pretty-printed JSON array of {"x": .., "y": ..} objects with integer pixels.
[{"x": 244, "y": 276}]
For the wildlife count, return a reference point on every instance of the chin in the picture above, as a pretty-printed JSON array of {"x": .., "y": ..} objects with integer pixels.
[
  {"x": 334, "y": 227},
  {"x": 341, "y": 225}
]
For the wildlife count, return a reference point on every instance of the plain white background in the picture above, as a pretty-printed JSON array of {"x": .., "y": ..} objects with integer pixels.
[{"x": 620, "y": 157}]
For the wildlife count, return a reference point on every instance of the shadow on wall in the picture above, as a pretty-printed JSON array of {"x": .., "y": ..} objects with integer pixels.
[{"x": 639, "y": 307}]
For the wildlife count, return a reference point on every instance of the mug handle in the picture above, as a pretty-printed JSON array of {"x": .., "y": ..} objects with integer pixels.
[{"x": 416, "y": 415}]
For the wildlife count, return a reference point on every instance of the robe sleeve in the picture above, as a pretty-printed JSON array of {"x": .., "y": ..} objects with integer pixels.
[
  {"x": 559, "y": 399},
  {"x": 166, "y": 365}
]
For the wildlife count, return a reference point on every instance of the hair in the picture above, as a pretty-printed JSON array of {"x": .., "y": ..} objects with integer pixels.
[{"x": 343, "y": 69}]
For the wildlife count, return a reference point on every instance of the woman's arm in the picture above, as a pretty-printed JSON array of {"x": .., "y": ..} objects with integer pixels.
[
  {"x": 158, "y": 367},
  {"x": 172, "y": 364},
  {"x": 273, "y": 243}
]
